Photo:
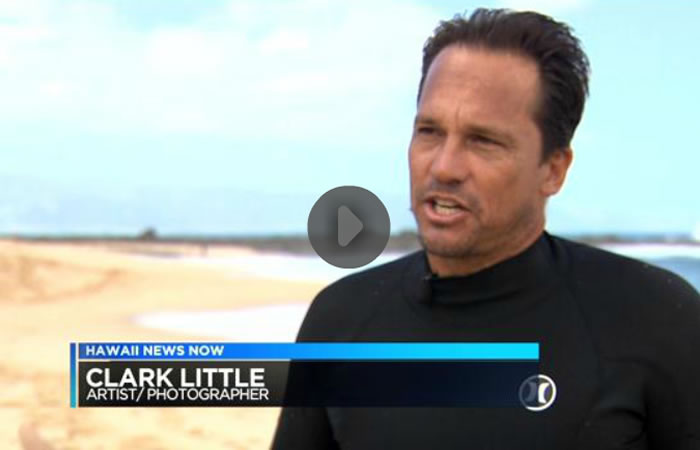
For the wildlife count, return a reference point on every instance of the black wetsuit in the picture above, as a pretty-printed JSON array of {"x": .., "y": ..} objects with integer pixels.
[{"x": 620, "y": 339}]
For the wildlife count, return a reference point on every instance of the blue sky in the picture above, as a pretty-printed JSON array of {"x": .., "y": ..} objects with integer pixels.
[{"x": 234, "y": 116}]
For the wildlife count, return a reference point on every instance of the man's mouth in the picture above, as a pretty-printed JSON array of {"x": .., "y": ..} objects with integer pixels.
[
  {"x": 443, "y": 210},
  {"x": 446, "y": 207}
]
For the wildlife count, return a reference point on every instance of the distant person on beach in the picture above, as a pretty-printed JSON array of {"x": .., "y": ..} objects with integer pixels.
[{"x": 500, "y": 97}]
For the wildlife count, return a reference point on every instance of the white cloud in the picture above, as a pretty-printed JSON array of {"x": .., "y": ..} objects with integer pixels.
[
  {"x": 25, "y": 10},
  {"x": 297, "y": 83},
  {"x": 13, "y": 37},
  {"x": 551, "y": 7},
  {"x": 184, "y": 52},
  {"x": 285, "y": 41},
  {"x": 55, "y": 89},
  {"x": 696, "y": 232},
  {"x": 241, "y": 71}
]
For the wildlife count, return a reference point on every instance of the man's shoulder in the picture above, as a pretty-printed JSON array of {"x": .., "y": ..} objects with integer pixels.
[
  {"x": 631, "y": 294},
  {"x": 341, "y": 307},
  {"x": 599, "y": 267}
]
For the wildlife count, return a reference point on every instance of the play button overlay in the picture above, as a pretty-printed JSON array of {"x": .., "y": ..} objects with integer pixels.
[{"x": 348, "y": 227}]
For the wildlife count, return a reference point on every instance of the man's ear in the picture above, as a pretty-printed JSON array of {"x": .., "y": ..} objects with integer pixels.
[{"x": 556, "y": 165}]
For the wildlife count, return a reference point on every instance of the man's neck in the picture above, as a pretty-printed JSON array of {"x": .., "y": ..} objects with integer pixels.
[{"x": 477, "y": 261}]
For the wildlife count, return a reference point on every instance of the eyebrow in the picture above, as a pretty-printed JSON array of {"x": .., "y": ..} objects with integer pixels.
[
  {"x": 424, "y": 120},
  {"x": 477, "y": 129}
]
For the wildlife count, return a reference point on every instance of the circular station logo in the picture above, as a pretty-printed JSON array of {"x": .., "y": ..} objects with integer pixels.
[{"x": 537, "y": 392}]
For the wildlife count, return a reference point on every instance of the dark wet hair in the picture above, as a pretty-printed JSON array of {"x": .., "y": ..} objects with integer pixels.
[{"x": 563, "y": 65}]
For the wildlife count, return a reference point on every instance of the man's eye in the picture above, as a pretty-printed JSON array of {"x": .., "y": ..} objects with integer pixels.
[
  {"x": 426, "y": 130},
  {"x": 484, "y": 140}
]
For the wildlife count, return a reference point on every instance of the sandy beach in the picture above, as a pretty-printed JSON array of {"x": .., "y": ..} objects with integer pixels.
[{"x": 53, "y": 294}]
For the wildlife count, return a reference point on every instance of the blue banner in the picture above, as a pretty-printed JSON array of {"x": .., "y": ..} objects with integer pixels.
[
  {"x": 480, "y": 351},
  {"x": 73, "y": 380}
]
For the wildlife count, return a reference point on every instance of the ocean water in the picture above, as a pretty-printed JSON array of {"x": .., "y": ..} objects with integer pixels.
[
  {"x": 278, "y": 323},
  {"x": 280, "y": 266},
  {"x": 281, "y": 323}
]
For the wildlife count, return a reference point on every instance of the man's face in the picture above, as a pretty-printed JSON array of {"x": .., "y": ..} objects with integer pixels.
[{"x": 477, "y": 182}]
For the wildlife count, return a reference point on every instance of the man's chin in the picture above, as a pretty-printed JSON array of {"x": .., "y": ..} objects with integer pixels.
[{"x": 447, "y": 248}]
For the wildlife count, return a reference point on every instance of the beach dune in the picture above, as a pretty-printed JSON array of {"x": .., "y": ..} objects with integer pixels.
[{"x": 53, "y": 294}]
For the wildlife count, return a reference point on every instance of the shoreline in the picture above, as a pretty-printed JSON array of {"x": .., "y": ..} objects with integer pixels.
[{"x": 53, "y": 294}]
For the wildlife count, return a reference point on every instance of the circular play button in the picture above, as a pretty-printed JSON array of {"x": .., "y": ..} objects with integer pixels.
[{"x": 348, "y": 227}]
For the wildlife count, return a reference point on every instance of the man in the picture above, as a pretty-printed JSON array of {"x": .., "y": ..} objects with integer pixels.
[{"x": 500, "y": 97}]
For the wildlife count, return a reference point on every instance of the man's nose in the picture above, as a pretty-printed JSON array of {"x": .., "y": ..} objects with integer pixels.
[{"x": 450, "y": 163}]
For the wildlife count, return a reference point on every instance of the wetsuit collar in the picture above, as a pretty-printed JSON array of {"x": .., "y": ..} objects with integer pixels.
[{"x": 523, "y": 273}]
